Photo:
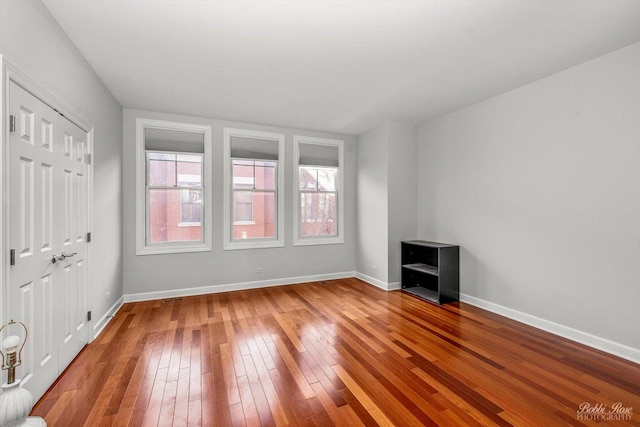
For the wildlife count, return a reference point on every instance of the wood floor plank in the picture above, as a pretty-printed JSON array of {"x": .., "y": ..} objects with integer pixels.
[
  {"x": 194, "y": 417},
  {"x": 339, "y": 352},
  {"x": 60, "y": 406},
  {"x": 294, "y": 367},
  {"x": 376, "y": 413},
  {"x": 229, "y": 375}
]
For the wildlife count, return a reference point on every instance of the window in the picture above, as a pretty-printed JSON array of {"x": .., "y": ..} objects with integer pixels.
[
  {"x": 253, "y": 190},
  {"x": 174, "y": 197},
  {"x": 242, "y": 201},
  {"x": 190, "y": 207},
  {"x": 173, "y": 201},
  {"x": 318, "y": 188},
  {"x": 253, "y": 177},
  {"x": 318, "y": 207},
  {"x": 243, "y": 208}
]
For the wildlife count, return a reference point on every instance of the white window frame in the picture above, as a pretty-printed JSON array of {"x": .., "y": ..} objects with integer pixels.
[
  {"x": 142, "y": 247},
  {"x": 252, "y": 243},
  {"x": 318, "y": 240}
]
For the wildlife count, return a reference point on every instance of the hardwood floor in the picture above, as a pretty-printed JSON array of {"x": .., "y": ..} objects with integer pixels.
[{"x": 331, "y": 353}]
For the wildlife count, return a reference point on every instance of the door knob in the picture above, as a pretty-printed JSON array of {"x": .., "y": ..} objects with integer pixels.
[{"x": 55, "y": 258}]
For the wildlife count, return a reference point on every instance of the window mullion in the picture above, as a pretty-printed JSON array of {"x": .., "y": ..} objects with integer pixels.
[
  {"x": 319, "y": 191},
  {"x": 175, "y": 168}
]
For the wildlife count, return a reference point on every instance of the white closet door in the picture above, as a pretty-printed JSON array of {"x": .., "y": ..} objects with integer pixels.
[{"x": 48, "y": 218}]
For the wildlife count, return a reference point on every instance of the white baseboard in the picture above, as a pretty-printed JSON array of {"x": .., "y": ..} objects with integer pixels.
[
  {"x": 104, "y": 320},
  {"x": 378, "y": 283},
  {"x": 617, "y": 349},
  {"x": 148, "y": 296},
  {"x": 395, "y": 286}
]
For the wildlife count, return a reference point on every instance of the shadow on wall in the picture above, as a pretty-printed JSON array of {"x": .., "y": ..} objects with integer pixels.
[{"x": 468, "y": 272}]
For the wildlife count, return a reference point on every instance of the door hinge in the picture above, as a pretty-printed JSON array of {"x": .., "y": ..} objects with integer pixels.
[
  {"x": 12, "y": 257},
  {"x": 87, "y": 159},
  {"x": 88, "y": 237},
  {"x": 12, "y": 123},
  {"x": 88, "y": 316}
]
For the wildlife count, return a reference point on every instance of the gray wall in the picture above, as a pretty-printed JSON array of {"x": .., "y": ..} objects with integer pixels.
[
  {"x": 403, "y": 205},
  {"x": 387, "y": 206},
  {"x": 32, "y": 41},
  {"x": 372, "y": 205},
  {"x": 541, "y": 188},
  {"x": 180, "y": 272}
]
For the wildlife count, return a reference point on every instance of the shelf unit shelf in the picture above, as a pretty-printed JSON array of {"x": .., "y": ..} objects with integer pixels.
[
  {"x": 423, "y": 268},
  {"x": 430, "y": 271},
  {"x": 423, "y": 293}
]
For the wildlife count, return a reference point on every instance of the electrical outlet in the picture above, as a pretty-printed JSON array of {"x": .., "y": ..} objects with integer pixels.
[
  {"x": 259, "y": 270},
  {"x": 374, "y": 268},
  {"x": 107, "y": 296}
]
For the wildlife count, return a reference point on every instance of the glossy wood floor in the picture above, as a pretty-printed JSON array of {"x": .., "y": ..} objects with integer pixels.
[{"x": 331, "y": 353}]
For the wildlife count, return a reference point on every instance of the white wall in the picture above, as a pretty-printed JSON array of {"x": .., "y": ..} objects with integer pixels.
[
  {"x": 372, "y": 249},
  {"x": 403, "y": 205},
  {"x": 541, "y": 188},
  {"x": 178, "y": 274},
  {"x": 32, "y": 41},
  {"x": 387, "y": 205}
]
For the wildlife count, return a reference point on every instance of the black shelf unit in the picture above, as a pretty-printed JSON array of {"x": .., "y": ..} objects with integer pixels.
[{"x": 431, "y": 271}]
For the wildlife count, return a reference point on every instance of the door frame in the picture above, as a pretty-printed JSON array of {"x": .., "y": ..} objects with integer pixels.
[{"x": 9, "y": 74}]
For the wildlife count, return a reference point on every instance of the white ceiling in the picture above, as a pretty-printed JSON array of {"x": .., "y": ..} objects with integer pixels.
[{"x": 341, "y": 66}]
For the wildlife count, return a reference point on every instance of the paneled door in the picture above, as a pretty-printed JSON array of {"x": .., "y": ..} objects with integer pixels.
[{"x": 48, "y": 205}]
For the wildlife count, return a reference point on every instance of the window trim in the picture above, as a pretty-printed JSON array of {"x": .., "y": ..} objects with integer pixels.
[
  {"x": 317, "y": 240},
  {"x": 253, "y": 243},
  {"x": 142, "y": 247}
]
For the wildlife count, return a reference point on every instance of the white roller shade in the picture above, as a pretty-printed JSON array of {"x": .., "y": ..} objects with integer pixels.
[
  {"x": 319, "y": 155},
  {"x": 172, "y": 140},
  {"x": 253, "y": 148}
]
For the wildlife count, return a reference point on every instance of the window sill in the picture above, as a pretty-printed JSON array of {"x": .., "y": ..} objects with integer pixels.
[
  {"x": 244, "y": 223},
  {"x": 173, "y": 248},
  {"x": 312, "y": 241},
  {"x": 189, "y": 224},
  {"x": 252, "y": 244}
]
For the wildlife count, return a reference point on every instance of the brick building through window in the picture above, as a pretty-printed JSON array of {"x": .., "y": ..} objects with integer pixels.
[{"x": 174, "y": 197}]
